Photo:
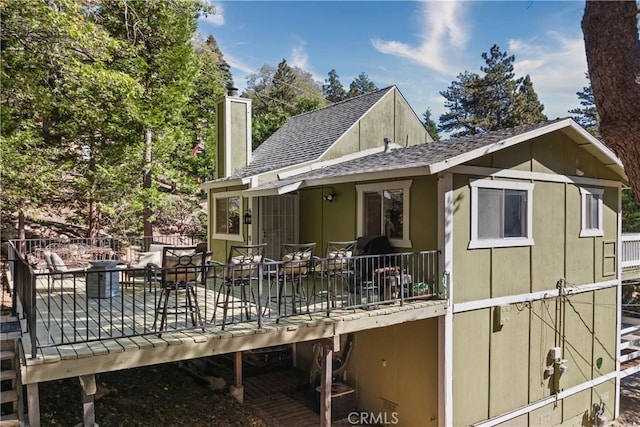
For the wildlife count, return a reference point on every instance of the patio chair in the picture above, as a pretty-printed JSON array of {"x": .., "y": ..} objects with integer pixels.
[
  {"x": 337, "y": 268},
  {"x": 182, "y": 269},
  {"x": 62, "y": 269},
  {"x": 240, "y": 272},
  {"x": 297, "y": 264}
]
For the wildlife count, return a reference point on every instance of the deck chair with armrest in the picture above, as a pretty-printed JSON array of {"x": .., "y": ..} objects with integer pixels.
[
  {"x": 296, "y": 267},
  {"x": 61, "y": 269},
  {"x": 240, "y": 273},
  {"x": 337, "y": 269},
  {"x": 182, "y": 270}
]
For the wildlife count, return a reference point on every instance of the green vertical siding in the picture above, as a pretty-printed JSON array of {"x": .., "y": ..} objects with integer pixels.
[
  {"x": 548, "y": 235},
  {"x": 542, "y": 337},
  {"x": 397, "y": 367},
  {"x": 605, "y": 345},
  {"x": 471, "y": 366},
  {"x": 578, "y": 342},
  {"x": 508, "y": 359}
]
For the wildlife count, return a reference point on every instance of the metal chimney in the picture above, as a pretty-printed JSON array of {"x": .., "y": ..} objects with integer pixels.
[{"x": 232, "y": 91}]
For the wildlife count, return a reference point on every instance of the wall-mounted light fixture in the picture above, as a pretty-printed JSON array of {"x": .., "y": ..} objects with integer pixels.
[
  {"x": 247, "y": 217},
  {"x": 329, "y": 197}
]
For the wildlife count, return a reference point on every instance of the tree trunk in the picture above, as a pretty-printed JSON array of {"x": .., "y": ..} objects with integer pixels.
[
  {"x": 94, "y": 220},
  {"x": 613, "y": 58},
  {"x": 148, "y": 227}
]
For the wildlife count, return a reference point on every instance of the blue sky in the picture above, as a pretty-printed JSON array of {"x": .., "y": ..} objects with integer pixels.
[{"x": 419, "y": 46}]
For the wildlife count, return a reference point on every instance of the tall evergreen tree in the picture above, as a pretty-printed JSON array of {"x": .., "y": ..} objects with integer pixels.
[
  {"x": 284, "y": 86},
  {"x": 277, "y": 94},
  {"x": 361, "y": 85},
  {"x": 430, "y": 126},
  {"x": 462, "y": 101},
  {"x": 333, "y": 90},
  {"x": 163, "y": 59},
  {"x": 527, "y": 106},
  {"x": 586, "y": 114},
  {"x": 490, "y": 101}
]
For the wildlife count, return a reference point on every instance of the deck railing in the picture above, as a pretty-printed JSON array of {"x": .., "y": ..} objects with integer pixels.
[
  {"x": 80, "y": 306},
  {"x": 85, "y": 249},
  {"x": 630, "y": 250}
]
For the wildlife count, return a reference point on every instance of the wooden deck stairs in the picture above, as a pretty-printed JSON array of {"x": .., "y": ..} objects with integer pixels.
[{"x": 11, "y": 390}]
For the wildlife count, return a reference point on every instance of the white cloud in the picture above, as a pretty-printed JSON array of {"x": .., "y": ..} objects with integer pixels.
[
  {"x": 556, "y": 64},
  {"x": 216, "y": 18},
  {"x": 445, "y": 26},
  {"x": 239, "y": 65},
  {"x": 300, "y": 59}
]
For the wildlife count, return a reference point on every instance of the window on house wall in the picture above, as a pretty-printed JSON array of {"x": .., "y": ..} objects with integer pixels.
[
  {"x": 501, "y": 214},
  {"x": 591, "y": 212},
  {"x": 383, "y": 210},
  {"x": 228, "y": 211}
]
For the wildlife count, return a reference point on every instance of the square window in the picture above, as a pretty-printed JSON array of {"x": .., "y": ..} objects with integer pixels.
[
  {"x": 500, "y": 214},
  {"x": 591, "y": 215}
]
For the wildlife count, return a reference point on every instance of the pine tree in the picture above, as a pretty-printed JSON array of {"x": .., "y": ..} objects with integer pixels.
[
  {"x": 333, "y": 90},
  {"x": 462, "y": 102},
  {"x": 284, "y": 87},
  {"x": 587, "y": 116},
  {"x": 527, "y": 106},
  {"x": 430, "y": 126},
  {"x": 491, "y": 101},
  {"x": 361, "y": 85}
]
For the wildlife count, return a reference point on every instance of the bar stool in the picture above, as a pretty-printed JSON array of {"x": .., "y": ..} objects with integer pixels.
[
  {"x": 239, "y": 273},
  {"x": 182, "y": 269}
]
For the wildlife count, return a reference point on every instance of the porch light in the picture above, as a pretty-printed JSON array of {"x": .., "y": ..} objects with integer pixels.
[
  {"x": 247, "y": 217},
  {"x": 329, "y": 197}
]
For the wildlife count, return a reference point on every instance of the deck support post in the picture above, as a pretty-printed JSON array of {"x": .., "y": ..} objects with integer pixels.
[
  {"x": 237, "y": 389},
  {"x": 88, "y": 385},
  {"x": 326, "y": 378},
  {"x": 33, "y": 405}
]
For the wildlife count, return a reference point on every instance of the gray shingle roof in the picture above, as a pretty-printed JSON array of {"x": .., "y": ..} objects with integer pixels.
[
  {"x": 307, "y": 136},
  {"x": 422, "y": 155}
]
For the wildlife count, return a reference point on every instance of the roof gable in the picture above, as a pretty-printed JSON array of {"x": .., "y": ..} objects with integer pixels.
[{"x": 307, "y": 136}]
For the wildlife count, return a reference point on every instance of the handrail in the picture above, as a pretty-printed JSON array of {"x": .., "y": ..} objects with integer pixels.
[
  {"x": 24, "y": 286},
  {"x": 90, "y": 305},
  {"x": 630, "y": 251}
]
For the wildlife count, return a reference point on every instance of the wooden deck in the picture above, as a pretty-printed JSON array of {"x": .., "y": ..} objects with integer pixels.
[{"x": 79, "y": 335}]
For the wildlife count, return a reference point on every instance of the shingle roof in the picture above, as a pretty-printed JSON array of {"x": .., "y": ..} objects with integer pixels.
[
  {"x": 422, "y": 155},
  {"x": 307, "y": 136}
]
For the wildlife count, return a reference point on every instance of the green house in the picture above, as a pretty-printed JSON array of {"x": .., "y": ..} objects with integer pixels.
[{"x": 527, "y": 225}]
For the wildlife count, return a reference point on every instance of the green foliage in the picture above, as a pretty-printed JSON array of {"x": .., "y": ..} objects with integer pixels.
[
  {"x": 586, "y": 114},
  {"x": 630, "y": 213},
  {"x": 430, "y": 126},
  {"x": 333, "y": 90},
  {"x": 81, "y": 85},
  {"x": 278, "y": 93},
  {"x": 360, "y": 86},
  {"x": 491, "y": 101},
  {"x": 265, "y": 125}
]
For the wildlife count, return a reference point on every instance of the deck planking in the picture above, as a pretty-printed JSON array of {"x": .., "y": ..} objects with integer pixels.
[{"x": 101, "y": 326}]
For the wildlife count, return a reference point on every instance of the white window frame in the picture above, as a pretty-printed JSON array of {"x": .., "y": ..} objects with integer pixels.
[
  {"x": 591, "y": 232},
  {"x": 225, "y": 236},
  {"x": 405, "y": 186},
  {"x": 475, "y": 242}
]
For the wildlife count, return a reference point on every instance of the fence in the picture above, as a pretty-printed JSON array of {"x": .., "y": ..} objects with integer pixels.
[{"x": 94, "y": 304}]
